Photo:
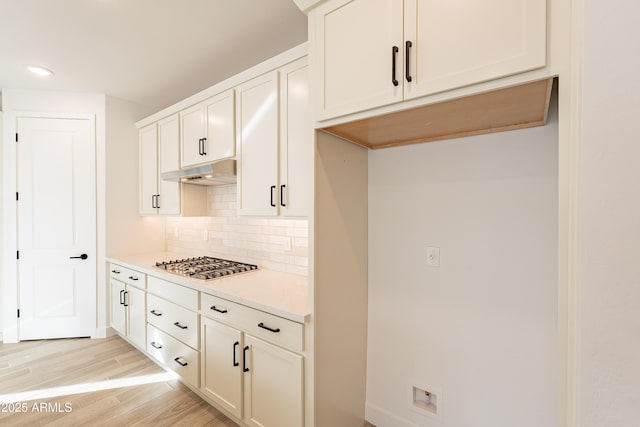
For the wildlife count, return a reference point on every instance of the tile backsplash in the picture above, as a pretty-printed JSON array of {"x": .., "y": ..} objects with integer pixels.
[{"x": 273, "y": 243}]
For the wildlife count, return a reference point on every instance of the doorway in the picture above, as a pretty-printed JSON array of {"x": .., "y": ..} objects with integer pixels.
[{"x": 56, "y": 227}]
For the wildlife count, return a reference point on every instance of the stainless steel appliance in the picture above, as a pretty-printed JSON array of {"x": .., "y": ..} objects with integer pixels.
[{"x": 204, "y": 267}]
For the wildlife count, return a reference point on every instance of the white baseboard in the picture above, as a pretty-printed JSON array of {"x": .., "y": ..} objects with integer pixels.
[{"x": 382, "y": 418}]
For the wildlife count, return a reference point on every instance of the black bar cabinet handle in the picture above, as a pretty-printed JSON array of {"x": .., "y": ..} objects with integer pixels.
[
  {"x": 235, "y": 344},
  {"x": 156, "y": 345},
  {"x": 158, "y": 201},
  {"x": 153, "y": 201},
  {"x": 273, "y": 187},
  {"x": 177, "y": 360},
  {"x": 394, "y": 53},
  {"x": 126, "y": 300},
  {"x": 200, "y": 146},
  {"x": 244, "y": 359},
  {"x": 121, "y": 299},
  {"x": 180, "y": 326},
  {"x": 213, "y": 307},
  {"x": 204, "y": 146},
  {"x": 155, "y": 313},
  {"x": 261, "y": 325},
  {"x": 407, "y": 71},
  {"x": 83, "y": 256},
  {"x": 282, "y": 195}
]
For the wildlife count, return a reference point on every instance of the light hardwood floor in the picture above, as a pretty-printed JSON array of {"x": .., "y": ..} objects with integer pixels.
[{"x": 103, "y": 365}]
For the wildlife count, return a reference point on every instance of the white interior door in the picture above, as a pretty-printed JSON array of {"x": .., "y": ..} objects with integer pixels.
[{"x": 56, "y": 222}]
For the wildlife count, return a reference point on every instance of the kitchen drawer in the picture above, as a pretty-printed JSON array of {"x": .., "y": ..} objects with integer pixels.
[
  {"x": 180, "y": 295},
  {"x": 221, "y": 309},
  {"x": 127, "y": 275},
  {"x": 180, "y": 358},
  {"x": 177, "y": 321},
  {"x": 283, "y": 332}
]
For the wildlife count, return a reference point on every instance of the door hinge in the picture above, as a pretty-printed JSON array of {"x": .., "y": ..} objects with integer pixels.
[
  {"x": 16, "y": 136},
  {"x": 18, "y": 313}
]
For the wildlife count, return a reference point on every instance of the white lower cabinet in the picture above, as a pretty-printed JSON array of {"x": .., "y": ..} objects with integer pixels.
[
  {"x": 222, "y": 365},
  {"x": 258, "y": 382},
  {"x": 246, "y": 361},
  {"x": 273, "y": 385},
  {"x": 128, "y": 304}
]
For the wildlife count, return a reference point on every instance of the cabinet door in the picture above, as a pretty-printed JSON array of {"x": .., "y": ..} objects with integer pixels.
[
  {"x": 220, "y": 142},
  {"x": 118, "y": 311},
  {"x": 459, "y": 42},
  {"x": 257, "y": 145},
  {"x": 136, "y": 327},
  {"x": 354, "y": 42},
  {"x": 296, "y": 141},
  {"x": 273, "y": 386},
  {"x": 168, "y": 161},
  {"x": 148, "y": 170},
  {"x": 221, "y": 368},
  {"x": 193, "y": 123}
]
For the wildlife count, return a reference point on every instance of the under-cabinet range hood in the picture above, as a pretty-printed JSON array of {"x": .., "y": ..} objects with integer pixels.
[{"x": 218, "y": 173}]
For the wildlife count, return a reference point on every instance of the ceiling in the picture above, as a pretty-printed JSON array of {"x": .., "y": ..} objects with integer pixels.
[{"x": 151, "y": 52}]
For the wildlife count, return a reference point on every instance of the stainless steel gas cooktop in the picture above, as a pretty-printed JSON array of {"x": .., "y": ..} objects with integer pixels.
[{"x": 204, "y": 267}]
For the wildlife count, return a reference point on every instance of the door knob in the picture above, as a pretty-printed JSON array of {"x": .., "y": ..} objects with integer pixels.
[{"x": 83, "y": 256}]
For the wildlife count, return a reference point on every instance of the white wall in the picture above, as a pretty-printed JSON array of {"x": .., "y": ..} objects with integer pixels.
[
  {"x": 608, "y": 271},
  {"x": 481, "y": 329},
  {"x": 126, "y": 231}
]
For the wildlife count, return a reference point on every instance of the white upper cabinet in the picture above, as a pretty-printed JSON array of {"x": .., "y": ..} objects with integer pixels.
[
  {"x": 371, "y": 53},
  {"x": 148, "y": 153},
  {"x": 257, "y": 145},
  {"x": 295, "y": 191},
  {"x": 168, "y": 160},
  {"x": 355, "y": 43},
  {"x": 160, "y": 152},
  {"x": 275, "y": 143},
  {"x": 208, "y": 130}
]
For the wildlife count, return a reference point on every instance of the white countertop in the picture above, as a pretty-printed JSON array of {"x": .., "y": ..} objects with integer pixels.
[{"x": 282, "y": 294}]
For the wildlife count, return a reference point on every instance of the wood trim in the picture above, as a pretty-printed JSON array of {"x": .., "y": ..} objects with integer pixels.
[{"x": 515, "y": 107}]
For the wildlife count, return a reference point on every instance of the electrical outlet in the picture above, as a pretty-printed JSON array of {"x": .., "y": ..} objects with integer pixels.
[{"x": 433, "y": 256}]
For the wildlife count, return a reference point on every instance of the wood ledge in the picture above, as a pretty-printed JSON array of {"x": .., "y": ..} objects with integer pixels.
[{"x": 515, "y": 107}]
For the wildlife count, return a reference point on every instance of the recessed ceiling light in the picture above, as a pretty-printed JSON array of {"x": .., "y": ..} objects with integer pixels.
[{"x": 40, "y": 71}]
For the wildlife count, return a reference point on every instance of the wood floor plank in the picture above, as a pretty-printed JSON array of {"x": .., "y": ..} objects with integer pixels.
[{"x": 50, "y": 364}]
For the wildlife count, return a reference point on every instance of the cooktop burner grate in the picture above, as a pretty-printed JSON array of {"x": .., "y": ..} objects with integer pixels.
[{"x": 205, "y": 267}]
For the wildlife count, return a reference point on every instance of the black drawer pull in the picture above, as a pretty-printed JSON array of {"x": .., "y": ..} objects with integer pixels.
[
  {"x": 180, "y": 326},
  {"x": 235, "y": 344},
  {"x": 261, "y": 325},
  {"x": 273, "y": 187},
  {"x": 282, "y": 195},
  {"x": 115, "y": 271},
  {"x": 177, "y": 360},
  {"x": 133, "y": 278},
  {"x": 407, "y": 51},
  {"x": 394, "y": 53},
  {"x": 213, "y": 307},
  {"x": 155, "y": 313},
  {"x": 244, "y": 359},
  {"x": 156, "y": 345}
]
